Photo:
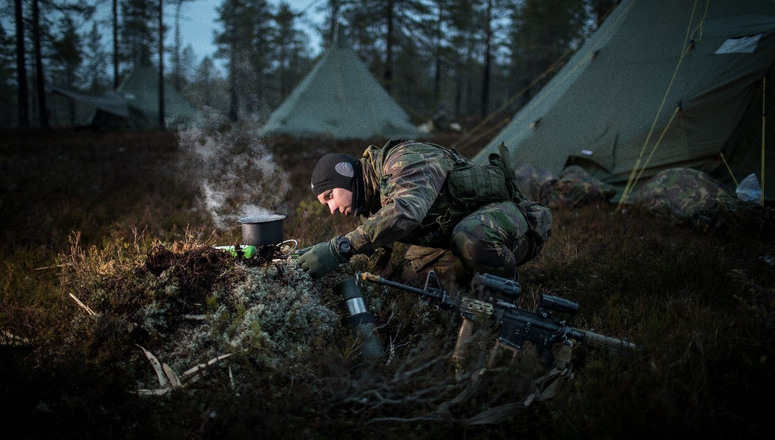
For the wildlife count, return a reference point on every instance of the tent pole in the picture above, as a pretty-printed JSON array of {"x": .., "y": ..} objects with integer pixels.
[
  {"x": 724, "y": 159},
  {"x": 764, "y": 119}
]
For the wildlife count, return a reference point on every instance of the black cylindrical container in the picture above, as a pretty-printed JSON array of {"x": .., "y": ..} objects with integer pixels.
[
  {"x": 361, "y": 320},
  {"x": 262, "y": 230}
]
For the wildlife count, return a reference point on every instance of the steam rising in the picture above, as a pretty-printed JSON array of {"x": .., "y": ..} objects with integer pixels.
[{"x": 236, "y": 173}]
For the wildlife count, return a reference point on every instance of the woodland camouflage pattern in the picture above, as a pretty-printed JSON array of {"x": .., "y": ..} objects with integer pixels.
[
  {"x": 574, "y": 187},
  {"x": 684, "y": 193},
  {"x": 500, "y": 224},
  {"x": 402, "y": 186},
  {"x": 694, "y": 197},
  {"x": 535, "y": 183}
]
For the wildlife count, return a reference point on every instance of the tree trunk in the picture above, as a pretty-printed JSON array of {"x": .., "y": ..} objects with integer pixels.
[
  {"x": 115, "y": 44},
  {"x": 40, "y": 80},
  {"x": 162, "y": 125},
  {"x": 177, "y": 74},
  {"x": 437, "y": 61},
  {"x": 388, "y": 78},
  {"x": 485, "y": 102},
  {"x": 283, "y": 74},
  {"x": 21, "y": 69},
  {"x": 233, "y": 103},
  {"x": 458, "y": 87},
  {"x": 334, "y": 25}
]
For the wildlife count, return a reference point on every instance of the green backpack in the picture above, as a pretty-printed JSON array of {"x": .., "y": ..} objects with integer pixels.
[{"x": 470, "y": 186}]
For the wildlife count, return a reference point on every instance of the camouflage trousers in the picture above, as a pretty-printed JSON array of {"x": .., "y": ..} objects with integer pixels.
[{"x": 492, "y": 239}]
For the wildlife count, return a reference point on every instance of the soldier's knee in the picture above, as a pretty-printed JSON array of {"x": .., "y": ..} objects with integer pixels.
[{"x": 477, "y": 255}]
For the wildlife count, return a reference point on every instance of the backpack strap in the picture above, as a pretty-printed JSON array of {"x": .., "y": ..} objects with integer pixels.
[{"x": 502, "y": 159}]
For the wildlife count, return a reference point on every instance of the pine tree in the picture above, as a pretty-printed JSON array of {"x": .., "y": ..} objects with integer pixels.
[
  {"x": 178, "y": 80},
  {"x": 138, "y": 31},
  {"x": 291, "y": 46},
  {"x": 544, "y": 32},
  {"x": 7, "y": 79},
  {"x": 95, "y": 61},
  {"x": 245, "y": 44}
]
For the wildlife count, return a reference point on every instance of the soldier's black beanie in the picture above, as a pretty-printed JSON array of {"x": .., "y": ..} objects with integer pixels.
[{"x": 334, "y": 170}]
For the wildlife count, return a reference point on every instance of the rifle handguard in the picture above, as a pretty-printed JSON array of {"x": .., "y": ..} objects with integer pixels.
[{"x": 475, "y": 306}]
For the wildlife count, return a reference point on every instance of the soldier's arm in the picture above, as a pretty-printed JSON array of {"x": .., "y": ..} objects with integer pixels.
[{"x": 416, "y": 176}]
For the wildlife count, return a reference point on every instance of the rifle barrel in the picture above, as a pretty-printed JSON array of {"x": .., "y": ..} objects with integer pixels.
[
  {"x": 367, "y": 276},
  {"x": 605, "y": 341}
]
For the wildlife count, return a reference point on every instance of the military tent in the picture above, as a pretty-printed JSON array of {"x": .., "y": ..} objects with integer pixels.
[
  {"x": 340, "y": 99},
  {"x": 84, "y": 106},
  {"x": 661, "y": 84},
  {"x": 135, "y": 103}
]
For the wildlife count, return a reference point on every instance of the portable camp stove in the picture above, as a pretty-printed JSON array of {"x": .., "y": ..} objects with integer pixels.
[{"x": 262, "y": 254}]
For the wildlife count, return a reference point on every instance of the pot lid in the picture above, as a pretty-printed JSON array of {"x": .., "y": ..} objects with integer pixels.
[{"x": 265, "y": 218}]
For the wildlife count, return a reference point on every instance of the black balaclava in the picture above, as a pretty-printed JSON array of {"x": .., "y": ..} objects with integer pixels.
[{"x": 337, "y": 170}]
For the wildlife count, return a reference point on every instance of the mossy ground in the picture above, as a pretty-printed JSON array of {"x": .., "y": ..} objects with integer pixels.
[{"x": 117, "y": 221}]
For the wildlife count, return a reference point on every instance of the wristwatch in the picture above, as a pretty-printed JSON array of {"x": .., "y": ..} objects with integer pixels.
[{"x": 344, "y": 247}]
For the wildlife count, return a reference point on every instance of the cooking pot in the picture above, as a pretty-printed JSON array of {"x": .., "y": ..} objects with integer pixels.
[{"x": 262, "y": 230}]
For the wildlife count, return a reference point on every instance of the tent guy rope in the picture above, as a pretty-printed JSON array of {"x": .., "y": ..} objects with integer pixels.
[{"x": 693, "y": 35}]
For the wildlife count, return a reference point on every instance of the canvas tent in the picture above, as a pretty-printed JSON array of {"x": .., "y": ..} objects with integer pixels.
[
  {"x": 135, "y": 104},
  {"x": 661, "y": 84},
  {"x": 88, "y": 103},
  {"x": 340, "y": 99}
]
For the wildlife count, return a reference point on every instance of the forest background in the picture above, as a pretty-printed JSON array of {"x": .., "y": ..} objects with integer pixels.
[{"x": 464, "y": 59}]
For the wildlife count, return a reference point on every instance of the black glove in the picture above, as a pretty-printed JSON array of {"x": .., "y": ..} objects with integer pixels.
[{"x": 324, "y": 257}]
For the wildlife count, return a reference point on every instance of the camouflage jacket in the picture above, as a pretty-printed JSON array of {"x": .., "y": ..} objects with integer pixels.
[{"x": 402, "y": 183}]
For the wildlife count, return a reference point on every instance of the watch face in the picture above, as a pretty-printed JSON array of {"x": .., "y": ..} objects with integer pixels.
[{"x": 344, "y": 247}]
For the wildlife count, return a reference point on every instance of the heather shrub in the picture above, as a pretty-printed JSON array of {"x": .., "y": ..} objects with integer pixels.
[{"x": 190, "y": 305}]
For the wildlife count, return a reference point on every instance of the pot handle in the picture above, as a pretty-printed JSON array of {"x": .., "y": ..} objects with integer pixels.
[{"x": 293, "y": 249}]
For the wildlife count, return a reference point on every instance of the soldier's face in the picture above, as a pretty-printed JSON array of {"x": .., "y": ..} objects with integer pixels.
[{"x": 338, "y": 200}]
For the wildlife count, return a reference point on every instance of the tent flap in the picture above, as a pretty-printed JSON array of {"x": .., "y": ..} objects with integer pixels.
[{"x": 109, "y": 102}]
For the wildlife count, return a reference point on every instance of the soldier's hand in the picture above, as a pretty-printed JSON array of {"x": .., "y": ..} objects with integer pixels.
[{"x": 321, "y": 259}]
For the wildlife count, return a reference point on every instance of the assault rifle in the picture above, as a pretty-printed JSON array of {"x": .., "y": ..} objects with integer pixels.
[{"x": 496, "y": 298}]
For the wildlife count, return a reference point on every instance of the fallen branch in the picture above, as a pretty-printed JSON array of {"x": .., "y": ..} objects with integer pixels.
[
  {"x": 193, "y": 374},
  {"x": 55, "y": 266},
  {"x": 170, "y": 380},
  {"x": 163, "y": 381},
  {"x": 83, "y": 306}
]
